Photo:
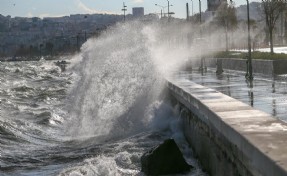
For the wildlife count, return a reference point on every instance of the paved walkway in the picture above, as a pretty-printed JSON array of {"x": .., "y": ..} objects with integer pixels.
[{"x": 265, "y": 94}]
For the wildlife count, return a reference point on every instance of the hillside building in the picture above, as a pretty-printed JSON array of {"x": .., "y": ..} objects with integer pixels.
[{"x": 138, "y": 12}]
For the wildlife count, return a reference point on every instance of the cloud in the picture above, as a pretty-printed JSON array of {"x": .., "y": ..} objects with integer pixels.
[
  {"x": 138, "y": 1},
  {"x": 50, "y": 15},
  {"x": 29, "y": 15},
  {"x": 88, "y": 10},
  {"x": 82, "y": 6}
]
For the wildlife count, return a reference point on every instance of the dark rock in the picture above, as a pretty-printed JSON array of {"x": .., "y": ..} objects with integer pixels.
[
  {"x": 164, "y": 159},
  {"x": 62, "y": 65}
]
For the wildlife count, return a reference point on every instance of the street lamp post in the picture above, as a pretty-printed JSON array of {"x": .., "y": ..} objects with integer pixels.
[
  {"x": 168, "y": 9},
  {"x": 191, "y": 7},
  {"x": 202, "y": 59},
  {"x": 226, "y": 25},
  {"x": 162, "y": 9},
  {"x": 249, "y": 73},
  {"x": 199, "y": 11}
]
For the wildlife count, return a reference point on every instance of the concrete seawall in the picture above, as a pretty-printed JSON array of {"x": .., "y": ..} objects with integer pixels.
[{"x": 228, "y": 136}]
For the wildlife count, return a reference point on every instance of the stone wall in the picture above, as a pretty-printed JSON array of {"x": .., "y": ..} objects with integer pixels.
[{"x": 228, "y": 136}]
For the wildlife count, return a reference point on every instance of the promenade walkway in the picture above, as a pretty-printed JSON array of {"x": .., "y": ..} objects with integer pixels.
[{"x": 264, "y": 93}]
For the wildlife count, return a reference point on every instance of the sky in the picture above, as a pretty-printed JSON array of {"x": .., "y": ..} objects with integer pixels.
[{"x": 56, "y": 8}]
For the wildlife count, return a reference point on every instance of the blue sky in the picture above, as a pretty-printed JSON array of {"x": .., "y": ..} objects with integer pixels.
[{"x": 51, "y": 8}]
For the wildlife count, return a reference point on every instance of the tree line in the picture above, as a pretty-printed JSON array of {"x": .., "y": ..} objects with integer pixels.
[{"x": 270, "y": 11}]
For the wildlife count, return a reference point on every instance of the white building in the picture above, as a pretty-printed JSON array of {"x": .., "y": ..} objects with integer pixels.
[{"x": 138, "y": 12}]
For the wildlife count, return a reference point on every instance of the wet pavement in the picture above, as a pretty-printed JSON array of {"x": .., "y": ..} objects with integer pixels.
[{"x": 267, "y": 94}]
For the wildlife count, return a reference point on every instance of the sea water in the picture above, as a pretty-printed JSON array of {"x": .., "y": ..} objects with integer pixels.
[{"x": 100, "y": 115}]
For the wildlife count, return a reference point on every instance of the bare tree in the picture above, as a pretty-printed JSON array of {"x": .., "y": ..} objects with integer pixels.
[
  {"x": 272, "y": 10},
  {"x": 226, "y": 17}
]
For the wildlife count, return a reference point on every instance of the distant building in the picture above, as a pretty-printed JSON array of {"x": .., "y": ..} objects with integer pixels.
[
  {"x": 212, "y": 5},
  {"x": 138, "y": 12}
]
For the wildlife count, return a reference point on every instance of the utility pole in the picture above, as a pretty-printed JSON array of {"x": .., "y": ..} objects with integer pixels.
[
  {"x": 124, "y": 10},
  {"x": 187, "y": 12},
  {"x": 168, "y": 12}
]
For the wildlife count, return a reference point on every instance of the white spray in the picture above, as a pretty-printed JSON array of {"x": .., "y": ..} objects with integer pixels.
[{"x": 120, "y": 75}]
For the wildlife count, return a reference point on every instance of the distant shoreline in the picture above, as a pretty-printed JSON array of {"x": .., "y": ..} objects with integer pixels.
[{"x": 37, "y": 58}]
